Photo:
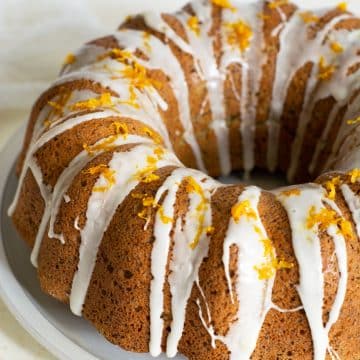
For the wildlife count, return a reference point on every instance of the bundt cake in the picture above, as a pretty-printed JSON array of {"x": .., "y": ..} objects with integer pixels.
[{"x": 161, "y": 257}]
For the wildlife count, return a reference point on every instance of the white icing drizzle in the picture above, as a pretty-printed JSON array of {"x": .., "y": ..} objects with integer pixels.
[
  {"x": 58, "y": 128},
  {"x": 155, "y": 21},
  {"x": 209, "y": 71},
  {"x": 353, "y": 202},
  {"x": 159, "y": 257},
  {"x": 76, "y": 224},
  {"x": 306, "y": 244},
  {"x": 289, "y": 59},
  {"x": 185, "y": 262},
  {"x": 125, "y": 165},
  {"x": 282, "y": 24},
  {"x": 66, "y": 178},
  {"x": 253, "y": 294},
  {"x": 160, "y": 53},
  {"x": 251, "y": 75}
]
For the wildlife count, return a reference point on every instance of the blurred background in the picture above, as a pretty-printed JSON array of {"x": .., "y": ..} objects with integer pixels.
[{"x": 35, "y": 37}]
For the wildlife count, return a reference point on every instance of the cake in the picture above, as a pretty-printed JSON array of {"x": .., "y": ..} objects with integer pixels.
[{"x": 128, "y": 227}]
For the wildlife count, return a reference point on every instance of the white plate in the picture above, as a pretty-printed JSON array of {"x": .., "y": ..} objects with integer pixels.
[{"x": 48, "y": 321}]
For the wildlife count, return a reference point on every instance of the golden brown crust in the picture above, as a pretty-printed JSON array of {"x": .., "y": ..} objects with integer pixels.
[{"x": 29, "y": 210}]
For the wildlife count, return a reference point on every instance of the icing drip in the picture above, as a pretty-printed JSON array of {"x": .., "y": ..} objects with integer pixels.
[
  {"x": 353, "y": 203},
  {"x": 306, "y": 244},
  {"x": 253, "y": 291},
  {"x": 159, "y": 258},
  {"x": 253, "y": 294},
  {"x": 156, "y": 22},
  {"x": 209, "y": 71},
  {"x": 125, "y": 165},
  {"x": 251, "y": 76},
  {"x": 186, "y": 258}
]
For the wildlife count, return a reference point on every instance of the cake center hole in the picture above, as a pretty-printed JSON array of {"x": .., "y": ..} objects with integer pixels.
[{"x": 261, "y": 178}]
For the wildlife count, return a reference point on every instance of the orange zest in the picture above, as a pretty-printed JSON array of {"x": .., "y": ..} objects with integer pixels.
[
  {"x": 193, "y": 187},
  {"x": 354, "y": 175},
  {"x": 291, "y": 192},
  {"x": 239, "y": 35},
  {"x": 243, "y": 209},
  {"x": 106, "y": 172},
  {"x": 309, "y": 17},
  {"x": 193, "y": 24},
  {"x": 226, "y": 4},
  {"x": 277, "y": 3},
  {"x": 326, "y": 71},
  {"x": 336, "y": 47},
  {"x": 327, "y": 217},
  {"x": 331, "y": 187},
  {"x": 343, "y": 6},
  {"x": 268, "y": 269},
  {"x": 353, "y": 121},
  {"x": 69, "y": 59},
  {"x": 104, "y": 100}
]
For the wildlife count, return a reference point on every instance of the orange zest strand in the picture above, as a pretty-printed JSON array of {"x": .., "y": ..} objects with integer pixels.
[
  {"x": 243, "y": 209},
  {"x": 146, "y": 38},
  {"x": 104, "y": 100},
  {"x": 309, "y": 17},
  {"x": 268, "y": 269},
  {"x": 291, "y": 192},
  {"x": 336, "y": 47},
  {"x": 193, "y": 24},
  {"x": 326, "y": 71},
  {"x": 57, "y": 108},
  {"x": 69, "y": 59},
  {"x": 239, "y": 35},
  {"x": 354, "y": 175},
  {"x": 331, "y": 187},
  {"x": 224, "y": 4},
  {"x": 108, "y": 174},
  {"x": 108, "y": 144},
  {"x": 353, "y": 121},
  {"x": 327, "y": 217},
  {"x": 277, "y": 3},
  {"x": 193, "y": 187}
]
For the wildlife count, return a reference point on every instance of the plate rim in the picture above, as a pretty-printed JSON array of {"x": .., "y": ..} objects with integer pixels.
[{"x": 14, "y": 295}]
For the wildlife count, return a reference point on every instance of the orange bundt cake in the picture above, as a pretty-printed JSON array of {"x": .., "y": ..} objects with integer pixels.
[{"x": 162, "y": 258}]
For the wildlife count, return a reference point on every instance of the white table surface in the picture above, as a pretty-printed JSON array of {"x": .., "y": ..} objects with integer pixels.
[{"x": 15, "y": 343}]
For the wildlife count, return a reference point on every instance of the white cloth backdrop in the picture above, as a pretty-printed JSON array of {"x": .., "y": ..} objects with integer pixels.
[{"x": 35, "y": 36}]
